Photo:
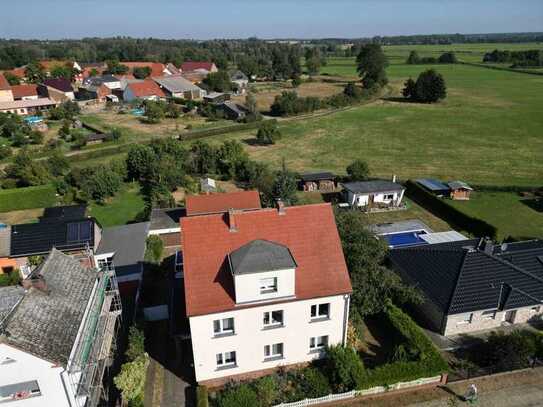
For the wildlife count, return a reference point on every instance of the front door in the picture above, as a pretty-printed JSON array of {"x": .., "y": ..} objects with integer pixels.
[{"x": 510, "y": 316}]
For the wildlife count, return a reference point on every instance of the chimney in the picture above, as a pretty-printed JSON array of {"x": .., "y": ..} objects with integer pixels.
[
  {"x": 36, "y": 281},
  {"x": 487, "y": 245},
  {"x": 232, "y": 220},
  {"x": 280, "y": 207},
  {"x": 393, "y": 177}
]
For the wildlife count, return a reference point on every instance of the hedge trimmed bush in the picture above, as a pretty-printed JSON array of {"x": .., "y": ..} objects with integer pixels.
[
  {"x": 15, "y": 199},
  {"x": 202, "y": 399},
  {"x": 441, "y": 208},
  {"x": 238, "y": 396}
]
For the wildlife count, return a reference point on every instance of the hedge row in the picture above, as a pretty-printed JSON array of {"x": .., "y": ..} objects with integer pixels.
[
  {"x": 94, "y": 128},
  {"x": 507, "y": 188},
  {"x": 441, "y": 208},
  {"x": 99, "y": 153},
  {"x": 197, "y": 134},
  {"x": 430, "y": 363},
  {"x": 15, "y": 199},
  {"x": 502, "y": 68}
]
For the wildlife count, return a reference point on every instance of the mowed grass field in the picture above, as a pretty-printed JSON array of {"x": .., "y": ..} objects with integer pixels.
[{"x": 488, "y": 131}]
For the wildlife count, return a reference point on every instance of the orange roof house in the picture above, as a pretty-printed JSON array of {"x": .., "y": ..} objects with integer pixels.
[
  {"x": 146, "y": 89},
  {"x": 24, "y": 91}
]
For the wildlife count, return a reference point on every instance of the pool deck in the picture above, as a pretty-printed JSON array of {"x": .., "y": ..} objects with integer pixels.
[{"x": 410, "y": 225}]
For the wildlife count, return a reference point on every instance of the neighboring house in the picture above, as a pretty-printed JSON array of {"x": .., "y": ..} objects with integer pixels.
[
  {"x": 25, "y": 92},
  {"x": 232, "y": 111},
  {"x": 165, "y": 224},
  {"x": 194, "y": 66},
  {"x": 124, "y": 247},
  {"x": 110, "y": 81},
  {"x": 179, "y": 87},
  {"x": 321, "y": 181},
  {"x": 373, "y": 194},
  {"x": 470, "y": 285},
  {"x": 143, "y": 90},
  {"x": 56, "y": 335},
  {"x": 459, "y": 190},
  {"x": 269, "y": 289},
  {"x": 88, "y": 68},
  {"x": 26, "y": 107},
  {"x": 58, "y": 89},
  {"x": 221, "y": 202},
  {"x": 208, "y": 185},
  {"x": 216, "y": 98},
  {"x": 195, "y": 76},
  {"x": 434, "y": 186},
  {"x": 157, "y": 69},
  {"x": 171, "y": 69},
  {"x": 6, "y": 93},
  {"x": 241, "y": 80},
  {"x": 90, "y": 92}
]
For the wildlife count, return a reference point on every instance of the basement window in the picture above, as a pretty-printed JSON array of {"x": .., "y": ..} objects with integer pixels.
[
  {"x": 489, "y": 314},
  {"x": 466, "y": 319}
]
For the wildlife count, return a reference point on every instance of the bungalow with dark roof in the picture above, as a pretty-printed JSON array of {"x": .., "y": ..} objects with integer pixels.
[
  {"x": 374, "y": 195},
  {"x": 471, "y": 285}
]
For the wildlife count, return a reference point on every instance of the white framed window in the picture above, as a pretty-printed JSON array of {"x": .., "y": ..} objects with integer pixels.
[
  {"x": 273, "y": 351},
  {"x": 388, "y": 197},
  {"x": 268, "y": 285},
  {"x": 489, "y": 314},
  {"x": 319, "y": 311},
  {"x": 223, "y": 326},
  {"x": 466, "y": 319},
  {"x": 535, "y": 309},
  {"x": 19, "y": 391},
  {"x": 273, "y": 319},
  {"x": 105, "y": 264},
  {"x": 226, "y": 359},
  {"x": 318, "y": 342}
]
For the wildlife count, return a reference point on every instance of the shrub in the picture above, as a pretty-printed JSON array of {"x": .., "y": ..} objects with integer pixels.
[
  {"x": 131, "y": 381},
  {"x": 202, "y": 398},
  {"x": 268, "y": 133},
  {"x": 12, "y": 278},
  {"x": 314, "y": 383},
  {"x": 5, "y": 151},
  {"x": 358, "y": 170},
  {"x": 344, "y": 368},
  {"x": 136, "y": 343},
  {"x": 238, "y": 396},
  {"x": 154, "y": 249},
  {"x": 430, "y": 87},
  {"x": 266, "y": 390}
]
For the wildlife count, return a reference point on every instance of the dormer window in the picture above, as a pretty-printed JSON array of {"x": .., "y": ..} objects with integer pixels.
[{"x": 268, "y": 285}]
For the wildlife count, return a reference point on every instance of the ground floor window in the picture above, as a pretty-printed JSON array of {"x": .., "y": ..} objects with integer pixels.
[
  {"x": 273, "y": 351},
  {"x": 489, "y": 314},
  {"x": 226, "y": 359},
  {"x": 466, "y": 319},
  {"x": 318, "y": 342}
]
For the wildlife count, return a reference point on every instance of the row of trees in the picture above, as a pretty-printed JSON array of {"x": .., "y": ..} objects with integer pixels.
[
  {"x": 529, "y": 58},
  {"x": 446, "y": 58}
]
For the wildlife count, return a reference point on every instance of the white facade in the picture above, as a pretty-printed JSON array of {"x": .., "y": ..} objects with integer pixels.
[
  {"x": 250, "y": 336},
  {"x": 362, "y": 199}
]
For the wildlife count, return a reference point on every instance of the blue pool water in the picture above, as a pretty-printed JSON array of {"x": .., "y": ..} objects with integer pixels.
[
  {"x": 33, "y": 119},
  {"x": 137, "y": 112},
  {"x": 405, "y": 239}
]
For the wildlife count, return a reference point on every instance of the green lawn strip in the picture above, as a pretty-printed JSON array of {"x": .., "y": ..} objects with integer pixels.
[
  {"x": 16, "y": 199},
  {"x": 507, "y": 211},
  {"x": 119, "y": 210}
]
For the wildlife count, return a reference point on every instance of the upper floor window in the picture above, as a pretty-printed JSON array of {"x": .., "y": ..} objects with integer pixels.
[
  {"x": 223, "y": 326},
  {"x": 226, "y": 359},
  {"x": 320, "y": 311},
  {"x": 273, "y": 351},
  {"x": 19, "y": 391},
  {"x": 268, "y": 285},
  {"x": 273, "y": 319}
]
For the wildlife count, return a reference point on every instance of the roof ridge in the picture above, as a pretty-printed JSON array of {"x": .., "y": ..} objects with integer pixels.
[
  {"x": 506, "y": 263},
  {"x": 456, "y": 284}
]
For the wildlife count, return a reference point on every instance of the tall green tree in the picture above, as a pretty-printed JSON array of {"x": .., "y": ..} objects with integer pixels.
[
  {"x": 413, "y": 58},
  {"x": 268, "y": 132},
  {"x": 34, "y": 72},
  {"x": 285, "y": 186},
  {"x": 371, "y": 65},
  {"x": 430, "y": 87},
  {"x": 218, "y": 81},
  {"x": 358, "y": 170}
]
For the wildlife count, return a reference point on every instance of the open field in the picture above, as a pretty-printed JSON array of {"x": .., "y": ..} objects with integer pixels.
[
  {"x": 488, "y": 131},
  {"x": 119, "y": 210},
  {"x": 512, "y": 215}
]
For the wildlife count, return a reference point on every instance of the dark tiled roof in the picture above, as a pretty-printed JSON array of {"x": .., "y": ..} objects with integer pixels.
[
  {"x": 166, "y": 218},
  {"x": 363, "y": 187},
  {"x": 461, "y": 277},
  {"x": 46, "y": 324},
  {"x": 261, "y": 255},
  {"x": 58, "y": 213},
  {"x": 317, "y": 176},
  {"x": 61, "y": 84}
]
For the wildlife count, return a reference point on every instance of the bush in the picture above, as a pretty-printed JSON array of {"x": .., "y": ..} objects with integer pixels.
[
  {"x": 314, "y": 383},
  {"x": 202, "y": 398},
  {"x": 268, "y": 133},
  {"x": 358, "y": 170},
  {"x": 136, "y": 343},
  {"x": 5, "y": 151},
  {"x": 238, "y": 396},
  {"x": 8, "y": 279},
  {"x": 153, "y": 250},
  {"x": 344, "y": 368},
  {"x": 430, "y": 87},
  {"x": 266, "y": 390}
]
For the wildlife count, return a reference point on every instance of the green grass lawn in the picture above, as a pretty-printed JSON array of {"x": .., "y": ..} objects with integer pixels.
[
  {"x": 120, "y": 209},
  {"x": 488, "y": 131},
  {"x": 506, "y": 211}
]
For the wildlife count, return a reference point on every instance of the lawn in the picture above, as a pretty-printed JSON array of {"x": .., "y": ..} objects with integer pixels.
[
  {"x": 119, "y": 210},
  {"x": 507, "y": 211},
  {"x": 488, "y": 131}
]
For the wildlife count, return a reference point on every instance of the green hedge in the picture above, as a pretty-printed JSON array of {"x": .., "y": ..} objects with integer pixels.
[
  {"x": 441, "y": 208},
  {"x": 15, "y": 199},
  {"x": 202, "y": 398},
  {"x": 430, "y": 362},
  {"x": 94, "y": 128},
  {"x": 503, "y": 68},
  {"x": 197, "y": 134}
]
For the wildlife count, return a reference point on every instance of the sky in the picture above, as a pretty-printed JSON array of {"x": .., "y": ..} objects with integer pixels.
[{"x": 206, "y": 19}]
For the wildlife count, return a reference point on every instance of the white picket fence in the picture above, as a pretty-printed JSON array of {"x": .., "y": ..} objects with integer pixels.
[{"x": 356, "y": 393}]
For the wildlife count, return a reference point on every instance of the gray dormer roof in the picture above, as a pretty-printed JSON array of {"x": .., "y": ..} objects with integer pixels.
[
  {"x": 259, "y": 256},
  {"x": 365, "y": 187}
]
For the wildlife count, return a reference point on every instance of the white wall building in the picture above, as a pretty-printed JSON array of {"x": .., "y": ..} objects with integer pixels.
[
  {"x": 373, "y": 194},
  {"x": 271, "y": 289}
]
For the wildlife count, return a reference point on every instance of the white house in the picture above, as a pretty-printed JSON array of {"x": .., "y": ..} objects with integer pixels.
[
  {"x": 270, "y": 289},
  {"x": 373, "y": 194},
  {"x": 56, "y": 335}
]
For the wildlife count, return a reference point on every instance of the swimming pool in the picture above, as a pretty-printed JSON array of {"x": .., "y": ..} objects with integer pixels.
[{"x": 405, "y": 238}]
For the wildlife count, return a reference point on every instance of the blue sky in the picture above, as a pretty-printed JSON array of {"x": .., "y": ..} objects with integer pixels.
[{"x": 204, "y": 19}]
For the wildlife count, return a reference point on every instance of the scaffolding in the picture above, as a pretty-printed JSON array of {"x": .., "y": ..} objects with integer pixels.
[{"x": 95, "y": 348}]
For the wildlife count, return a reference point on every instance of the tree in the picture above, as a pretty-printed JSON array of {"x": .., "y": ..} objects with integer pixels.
[
  {"x": 371, "y": 64},
  {"x": 101, "y": 184},
  {"x": 138, "y": 161},
  {"x": 218, "y": 81},
  {"x": 313, "y": 60},
  {"x": 344, "y": 368},
  {"x": 34, "y": 72},
  {"x": 352, "y": 91},
  {"x": 430, "y": 87},
  {"x": 448, "y": 58},
  {"x": 251, "y": 103},
  {"x": 154, "y": 111},
  {"x": 409, "y": 89},
  {"x": 5, "y": 151},
  {"x": 203, "y": 158},
  {"x": 296, "y": 81},
  {"x": 131, "y": 380},
  {"x": 27, "y": 172},
  {"x": 154, "y": 249},
  {"x": 268, "y": 133},
  {"x": 266, "y": 391},
  {"x": 358, "y": 170},
  {"x": 285, "y": 186},
  {"x": 62, "y": 71},
  {"x": 58, "y": 164},
  {"x": 116, "y": 68},
  {"x": 64, "y": 131},
  {"x": 141, "y": 72},
  {"x": 12, "y": 79},
  {"x": 413, "y": 58},
  {"x": 136, "y": 343}
]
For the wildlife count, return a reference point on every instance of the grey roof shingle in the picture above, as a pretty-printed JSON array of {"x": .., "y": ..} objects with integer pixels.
[
  {"x": 9, "y": 297},
  {"x": 261, "y": 255},
  {"x": 176, "y": 84},
  {"x": 460, "y": 277},
  {"x": 46, "y": 324},
  {"x": 362, "y": 187},
  {"x": 166, "y": 218}
]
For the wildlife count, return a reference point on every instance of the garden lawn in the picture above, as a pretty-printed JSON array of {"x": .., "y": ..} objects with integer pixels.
[
  {"x": 119, "y": 210},
  {"x": 506, "y": 211},
  {"x": 488, "y": 131}
]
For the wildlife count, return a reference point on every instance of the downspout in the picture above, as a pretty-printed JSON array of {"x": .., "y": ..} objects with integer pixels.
[{"x": 347, "y": 299}]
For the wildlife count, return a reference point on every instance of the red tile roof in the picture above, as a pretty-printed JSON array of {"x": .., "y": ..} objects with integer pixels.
[
  {"x": 157, "y": 69},
  {"x": 20, "y": 91},
  {"x": 217, "y": 203},
  {"x": 192, "y": 66},
  {"x": 4, "y": 84},
  {"x": 18, "y": 72},
  {"x": 145, "y": 89},
  {"x": 308, "y": 231}
]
